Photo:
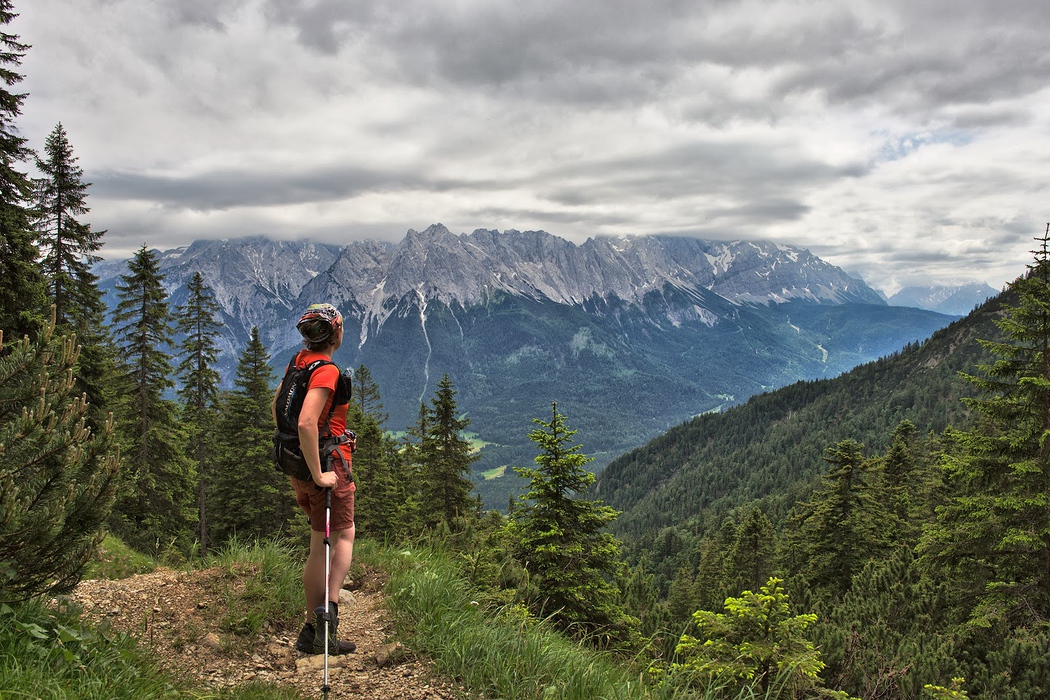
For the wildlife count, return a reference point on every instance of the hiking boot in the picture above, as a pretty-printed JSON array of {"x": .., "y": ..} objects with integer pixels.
[
  {"x": 336, "y": 646},
  {"x": 305, "y": 642}
]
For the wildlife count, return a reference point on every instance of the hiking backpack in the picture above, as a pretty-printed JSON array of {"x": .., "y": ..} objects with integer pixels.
[{"x": 288, "y": 457}]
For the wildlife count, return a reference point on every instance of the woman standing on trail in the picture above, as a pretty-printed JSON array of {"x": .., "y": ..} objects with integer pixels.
[{"x": 323, "y": 436}]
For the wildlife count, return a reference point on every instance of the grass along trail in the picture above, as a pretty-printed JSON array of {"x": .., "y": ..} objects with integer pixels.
[{"x": 183, "y": 620}]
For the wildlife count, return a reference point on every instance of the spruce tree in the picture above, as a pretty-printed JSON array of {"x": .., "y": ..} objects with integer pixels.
[
  {"x": 57, "y": 476},
  {"x": 447, "y": 457},
  {"x": 562, "y": 540},
  {"x": 69, "y": 248},
  {"x": 152, "y": 506},
  {"x": 749, "y": 563},
  {"x": 994, "y": 535},
  {"x": 379, "y": 502},
  {"x": 408, "y": 465},
  {"x": 248, "y": 497},
  {"x": 366, "y": 391},
  {"x": 838, "y": 530},
  {"x": 197, "y": 321},
  {"x": 22, "y": 296},
  {"x": 757, "y": 644}
]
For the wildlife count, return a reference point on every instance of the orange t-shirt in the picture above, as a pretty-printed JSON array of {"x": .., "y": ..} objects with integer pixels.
[{"x": 327, "y": 377}]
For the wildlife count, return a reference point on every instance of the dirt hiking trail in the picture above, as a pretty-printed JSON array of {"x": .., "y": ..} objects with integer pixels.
[{"x": 177, "y": 617}]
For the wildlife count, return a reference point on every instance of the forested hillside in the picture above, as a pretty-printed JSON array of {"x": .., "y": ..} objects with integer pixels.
[
  {"x": 771, "y": 446},
  {"x": 903, "y": 504}
]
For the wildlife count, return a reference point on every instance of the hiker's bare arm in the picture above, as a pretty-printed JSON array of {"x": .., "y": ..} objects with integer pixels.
[{"x": 313, "y": 404}]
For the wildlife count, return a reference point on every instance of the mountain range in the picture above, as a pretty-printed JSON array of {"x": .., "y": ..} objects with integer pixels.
[
  {"x": 955, "y": 300},
  {"x": 629, "y": 335}
]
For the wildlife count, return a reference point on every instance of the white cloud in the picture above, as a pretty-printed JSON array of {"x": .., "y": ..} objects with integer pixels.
[{"x": 904, "y": 141}]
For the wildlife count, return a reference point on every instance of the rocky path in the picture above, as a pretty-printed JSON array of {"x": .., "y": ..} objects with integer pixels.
[{"x": 179, "y": 617}]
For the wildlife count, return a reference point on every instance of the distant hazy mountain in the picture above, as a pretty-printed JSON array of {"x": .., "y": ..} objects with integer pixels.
[
  {"x": 773, "y": 446},
  {"x": 957, "y": 300},
  {"x": 629, "y": 335}
]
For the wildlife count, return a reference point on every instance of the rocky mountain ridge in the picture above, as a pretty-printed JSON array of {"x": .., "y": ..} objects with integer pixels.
[
  {"x": 629, "y": 335},
  {"x": 956, "y": 300}
]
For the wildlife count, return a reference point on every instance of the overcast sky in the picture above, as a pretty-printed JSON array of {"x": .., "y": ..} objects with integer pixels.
[{"x": 904, "y": 140}]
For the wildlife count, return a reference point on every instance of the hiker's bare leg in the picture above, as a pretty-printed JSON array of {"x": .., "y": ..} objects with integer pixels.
[
  {"x": 313, "y": 574},
  {"x": 342, "y": 554},
  {"x": 342, "y": 544}
]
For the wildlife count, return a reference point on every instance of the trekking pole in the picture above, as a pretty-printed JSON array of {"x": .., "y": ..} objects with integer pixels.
[{"x": 323, "y": 611}]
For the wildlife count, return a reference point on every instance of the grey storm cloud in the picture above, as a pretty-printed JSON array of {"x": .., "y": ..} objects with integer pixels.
[
  {"x": 916, "y": 56},
  {"x": 229, "y": 188},
  {"x": 889, "y": 135}
]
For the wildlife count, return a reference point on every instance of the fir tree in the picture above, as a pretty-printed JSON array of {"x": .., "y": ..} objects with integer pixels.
[
  {"x": 22, "y": 296},
  {"x": 198, "y": 319},
  {"x": 247, "y": 496},
  {"x": 838, "y": 530},
  {"x": 447, "y": 457},
  {"x": 994, "y": 536},
  {"x": 756, "y": 642},
  {"x": 57, "y": 476},
  {"x": 69, "y": 246},
  {"x": 152, "y": 504},
  {"x": 69, "y": 250},
  {"x": 408, "y": 463},
  {"x": 711, "y": 590},
  {"x": 563, "y": 541},
  {"x": 750, "y": 561},
  {"x": 366, "y": 390},
  {"x": 379, "y": 502}
]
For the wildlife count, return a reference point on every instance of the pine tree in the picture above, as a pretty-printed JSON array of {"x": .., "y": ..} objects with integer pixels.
[
  {"x": 408, "y": 466},
  {"x": 366, "y": 390},
  {"x": 563, "y": 541},
  {"x": 750, "y": 561},
  {"x": 22, "y": 295},
  {"x": 69, "y": 250},
  {"x": 757, "y": 641},
  {"x": 711, "y": 590},
  {"x": 898, "y": 470},
  {"x": 379, "y": 500},
  {"x": 447, "y": 457},
  {"x": 682, "y": 597},
  {"x": 153, "y": 501},
  {"x": 247, "y": 496},
  {"x": 69, "y": 246},
  {"x": 198, "y": 320},
  {"x": 57, "y": 476},
  {"x": 838, "y": 530},
  {"x": 994, "y": 536}
]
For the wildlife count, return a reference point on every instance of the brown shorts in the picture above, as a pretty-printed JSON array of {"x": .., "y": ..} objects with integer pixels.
[{"x": 310, "y": 498}]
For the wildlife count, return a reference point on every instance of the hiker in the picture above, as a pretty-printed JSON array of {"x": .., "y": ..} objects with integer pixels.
[{"x": 322, "y": 420}]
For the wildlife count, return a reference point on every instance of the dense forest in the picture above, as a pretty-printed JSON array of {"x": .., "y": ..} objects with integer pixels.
[{"x": 881, "y": 535}]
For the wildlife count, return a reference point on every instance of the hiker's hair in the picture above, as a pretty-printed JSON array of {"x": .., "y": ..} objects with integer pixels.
[{"x": 316, "y": 329}]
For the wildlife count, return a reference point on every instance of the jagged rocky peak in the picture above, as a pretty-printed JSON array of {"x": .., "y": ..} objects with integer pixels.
[{"x": 437, "y": 264}]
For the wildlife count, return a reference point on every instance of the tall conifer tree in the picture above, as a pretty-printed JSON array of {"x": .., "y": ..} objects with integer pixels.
[
  {"x": 197, "y": 320},
  {"x": 69, "y": 248},
  {"x": 152, "y": 505},
  {"x": 839, "y": 529},
  {"x": 380, "y": 501},
  {"x": 563, "y": 541},
  {"x": 995, "y": 533},
  {"x": 22, "y": 298},
  {"x": 247, "y": 496},
  {"x": 447, "y": 458}
]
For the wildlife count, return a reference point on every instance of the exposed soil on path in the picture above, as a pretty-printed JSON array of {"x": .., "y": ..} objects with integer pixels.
[{"x": 182, "y": 619}]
